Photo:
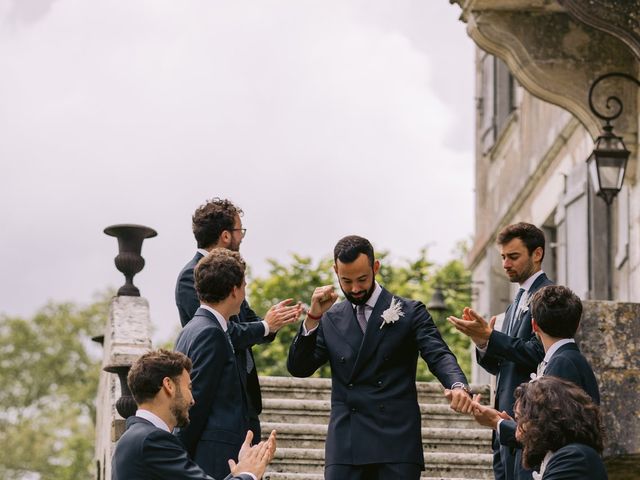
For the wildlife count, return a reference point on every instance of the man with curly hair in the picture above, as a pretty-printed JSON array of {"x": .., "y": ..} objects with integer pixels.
[
  {"x": 560, "y": 428},
  {"x": 217, "y": 224},
  {"x": 220, "y": 414}
]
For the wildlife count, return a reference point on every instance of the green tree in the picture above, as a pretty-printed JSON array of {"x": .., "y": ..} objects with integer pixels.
[
  {"x": 49, "y": 381},
  {"x": 413, "y": 279}
]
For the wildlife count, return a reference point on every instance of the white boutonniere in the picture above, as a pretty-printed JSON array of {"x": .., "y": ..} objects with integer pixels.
[
  {"x": 527, "y": 301},
  {"x": 393, "y": 313}
]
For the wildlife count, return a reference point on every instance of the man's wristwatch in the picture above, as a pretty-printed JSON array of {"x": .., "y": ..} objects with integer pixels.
[{"x": 463, "y": 386}]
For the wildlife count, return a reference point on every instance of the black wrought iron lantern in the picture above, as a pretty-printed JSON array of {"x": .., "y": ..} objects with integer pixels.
[{"x": 607, "y": 164}]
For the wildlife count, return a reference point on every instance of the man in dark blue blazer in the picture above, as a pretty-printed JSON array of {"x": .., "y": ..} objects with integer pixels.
[
  {"x": 220, "y": 416},
  {"x": 372, "y": 341},
  {"x": 217, "y": 224},
  {"x": 513, "y": 353},
  {"x": 556, "y": 312},
  {"x": 161, "y": 386}
]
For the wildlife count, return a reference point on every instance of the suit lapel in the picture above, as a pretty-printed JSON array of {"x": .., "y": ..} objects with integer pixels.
[
  {"x": 374, "y": 333},
  {"x": 344, "y": 321}
]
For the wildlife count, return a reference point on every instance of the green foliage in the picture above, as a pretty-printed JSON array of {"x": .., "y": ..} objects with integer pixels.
[
  {"x": 412, "y": 279},
  {"x": 49, "y": 382}
]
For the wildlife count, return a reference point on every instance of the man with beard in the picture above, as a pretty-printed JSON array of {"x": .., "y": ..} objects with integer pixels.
[
  {"x": 372, "y": 341},
  {"x": 161, "y": 386},
  {"x": 220, "y": 416},
  {"x": 217, "y": 224},
  {"x": 513, "y": 353}
]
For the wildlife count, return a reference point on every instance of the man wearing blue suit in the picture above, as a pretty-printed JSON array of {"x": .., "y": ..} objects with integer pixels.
[
  {"x": 372, "y": 341},
  {"x": 513, "y": 353},
  {"x": 161, "y": 386},
  {"x": 220, "y": 415},
  {"x": 556, "y": 312},
  {"x": 217, "y": 224}
]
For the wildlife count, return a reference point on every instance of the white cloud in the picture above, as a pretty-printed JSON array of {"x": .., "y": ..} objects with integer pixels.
[{"x": 318, "y": 118}]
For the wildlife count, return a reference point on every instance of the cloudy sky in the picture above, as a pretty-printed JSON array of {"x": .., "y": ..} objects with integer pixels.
[{"x": 318, "y": 118}]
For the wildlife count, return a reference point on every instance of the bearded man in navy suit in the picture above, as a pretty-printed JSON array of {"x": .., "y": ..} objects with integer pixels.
[
  {"x": 513, "y": 352},
  {"x": 161, "y": 386},
  {"x": 372, "y": 341}
]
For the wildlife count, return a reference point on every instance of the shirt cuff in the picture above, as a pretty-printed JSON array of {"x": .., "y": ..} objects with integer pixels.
[
  {"x": 483, "y": 350},
  {"x": 266, "y": 327},
  {"x": 249, "y": 474},
  {"x": 498, "y": 428},
  {"x": 305, "y": 332}
]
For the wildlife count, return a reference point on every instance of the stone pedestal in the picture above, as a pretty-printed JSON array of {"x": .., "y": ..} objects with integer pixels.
[
  {"x": 609, "y": 337},
  {"x": 127, "y": 336}
]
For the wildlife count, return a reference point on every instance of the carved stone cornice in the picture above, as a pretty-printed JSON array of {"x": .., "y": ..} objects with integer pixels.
[
  {"x": 552, "y": 55},
  {"x": 620, "y": 18}
]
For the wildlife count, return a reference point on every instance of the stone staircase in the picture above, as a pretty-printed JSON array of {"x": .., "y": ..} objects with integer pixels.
[{"x": 455, "y": 447}]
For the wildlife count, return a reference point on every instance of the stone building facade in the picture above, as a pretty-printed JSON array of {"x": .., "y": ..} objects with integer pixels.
[{"x": 535, "y": 63}]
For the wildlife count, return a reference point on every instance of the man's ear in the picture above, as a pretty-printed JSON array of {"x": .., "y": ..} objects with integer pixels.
[
  {"x": 534, "y": 325},
  {"x": 168, "y": 386},
  {"x": 537, "y": 255},
  {"x": 376, "y": 267}
]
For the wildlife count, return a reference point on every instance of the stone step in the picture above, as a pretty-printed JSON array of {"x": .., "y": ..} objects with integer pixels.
[
  {"x": 284, "y": 410},
  {"x": 311, "y": 461},
  {"x": 462, "y": 440},
  {"x": 320, "y": 476},
  {"x": 320, "y": 389}
]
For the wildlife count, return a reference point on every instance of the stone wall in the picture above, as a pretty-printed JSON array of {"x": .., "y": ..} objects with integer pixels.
[
  {"x": 609, "y": 336},
  {"x": 127, "y": 336}
]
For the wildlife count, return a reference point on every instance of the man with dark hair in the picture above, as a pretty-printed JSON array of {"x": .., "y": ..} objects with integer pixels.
[
  {"x": 372, "y": 341},
  {"x": 217, "y": 224},
  {"x": 556, "y": 313},
  {"x": 161, "y": 386},
  {"x": 513, "y": 353},
  {"x": 220, "y": 415}
]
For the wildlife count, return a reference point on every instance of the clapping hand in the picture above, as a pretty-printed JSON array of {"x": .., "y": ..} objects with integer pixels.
[
  {"x": 254, "y": 459},
  {"x": 473, "y": 325},
  {"x": 282, "y": 314}
]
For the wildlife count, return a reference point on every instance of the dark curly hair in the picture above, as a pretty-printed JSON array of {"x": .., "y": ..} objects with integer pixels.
[
  {"x": 217, "y": 274},
  {"x": 552, "y": 412},
  {"x": 211, "y": 219},
  {"x": 530, "y": 235},
  {"x": 148, "y": 371},
  {"x": 557, "y": 311},
  {"x": 349, "y": 248}
]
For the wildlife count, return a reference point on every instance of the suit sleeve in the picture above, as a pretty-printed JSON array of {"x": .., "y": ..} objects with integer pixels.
[
  {"x": 208, "y": 354},
  {"x": 490, "y": 363},
  {"x": 508, "y": 433},
  {"x": 186, "y": 297},
  {"x": 525, "y": 353},
  {"x": 164, "y": 457},
  {"x": 433, "y": 349},
  {"x": 307, "y": 353},
  {"x": 569, "y": 464}
]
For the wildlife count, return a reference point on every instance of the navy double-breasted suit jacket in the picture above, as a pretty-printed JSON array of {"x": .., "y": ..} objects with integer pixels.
[
  {"x": 513, "y": 357},
  {"x": 375, "y": 416},
  {"x": 219, "y": 418},
  {"x": 146, "y": 452}
]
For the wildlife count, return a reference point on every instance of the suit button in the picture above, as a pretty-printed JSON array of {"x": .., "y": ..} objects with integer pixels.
[
  {"x": 342, "y": 360},
  {"x": 379, "y": 382},
  {"x": 353, "y": 410},
  {"x": 386, "y": 358},
  {"x": 350, "y": 386},
  {"x": 381, "y": 407}
]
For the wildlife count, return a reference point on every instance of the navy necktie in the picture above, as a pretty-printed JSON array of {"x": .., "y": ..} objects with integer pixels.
[{"x": 514, "y": 313}]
